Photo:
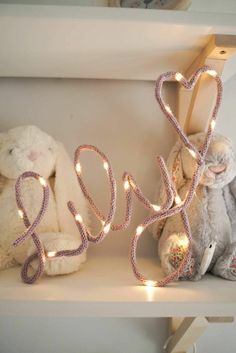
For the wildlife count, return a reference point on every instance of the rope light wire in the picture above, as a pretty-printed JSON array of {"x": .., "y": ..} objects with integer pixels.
[{"x": 173, "y": 204}]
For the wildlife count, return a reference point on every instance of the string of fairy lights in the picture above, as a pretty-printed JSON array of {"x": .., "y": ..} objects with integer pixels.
[{"x": 173, "y": 204}]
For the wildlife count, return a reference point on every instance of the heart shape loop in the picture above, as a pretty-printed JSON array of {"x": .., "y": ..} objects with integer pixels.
[
  {"x": 189, "y": 84},
  {"x": 180, "y": 206}
]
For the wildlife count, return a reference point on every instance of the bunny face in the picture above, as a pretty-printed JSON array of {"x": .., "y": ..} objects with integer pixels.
[
  {"x": 220, "y": 161},
  {"x": 27, "y": 148}
]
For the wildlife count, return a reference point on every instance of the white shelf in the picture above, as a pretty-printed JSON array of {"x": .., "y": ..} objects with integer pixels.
[
  {"x": 110, "y": 43},
  {"x": 106, "y": 288}
]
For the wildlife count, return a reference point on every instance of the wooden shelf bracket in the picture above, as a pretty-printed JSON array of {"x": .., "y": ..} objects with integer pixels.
[
  {"x": 186, "y": 331},
  {"x": 194, "y": 107}
]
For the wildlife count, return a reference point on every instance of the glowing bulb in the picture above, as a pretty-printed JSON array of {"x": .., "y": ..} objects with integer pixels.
[
  {"x": 193, "y": 153},
  {"x": 150, "y": 283},
  {"x": 42, "y": 182},
  {"x": 78, "y": 218},
  {"x": 139, "y": 230},
  {"x": 177, "y": 199},
  {"x": 167, "y": 108},
  {"x": 213, "y": 73},
  {"x": 21, "y": 213},
  {"x": 213, "y": 124},
  {"x": 105, "y": 166},
  {"x": 107, "y": 228},
  {"x": 78, "y": 168},
  {"x": 156, "y": 208},
  {"x": 183, "y": 242},
  {"x": 103, "y": 222},
  {"x": 126, "y": 185},
  {"x": 51, "y": 253},
  {"x": 178, "y": 76}
]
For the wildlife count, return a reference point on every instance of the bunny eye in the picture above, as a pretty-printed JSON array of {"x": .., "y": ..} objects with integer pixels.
[
  {"x": 10, "y": 151},
  {"x": 50, "y": 149}
]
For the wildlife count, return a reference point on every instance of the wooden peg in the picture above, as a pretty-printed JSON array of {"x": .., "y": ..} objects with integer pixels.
[{"x": 195, "y": 107}]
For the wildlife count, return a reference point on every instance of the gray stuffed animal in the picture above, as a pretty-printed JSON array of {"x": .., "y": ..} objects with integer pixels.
[{"x": 212, "y": 214}]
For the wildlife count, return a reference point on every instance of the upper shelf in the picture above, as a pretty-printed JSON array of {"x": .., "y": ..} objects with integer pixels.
[
  {"x": 106, "y": 287},
  {"x": 110, "y": 43}
]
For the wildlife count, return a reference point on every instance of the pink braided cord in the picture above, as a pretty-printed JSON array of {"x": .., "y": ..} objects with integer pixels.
[
  {"x": 167, "y": 210},
  {"x": 30, "y": 230},
  {"x": 41, "y": 254}
]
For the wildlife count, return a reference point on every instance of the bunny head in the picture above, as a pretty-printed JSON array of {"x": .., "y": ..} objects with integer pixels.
[
  {"x": 27, "y": 148},
  {"x": 220, "y": 161},
  {"x": 219, "y": 169}
]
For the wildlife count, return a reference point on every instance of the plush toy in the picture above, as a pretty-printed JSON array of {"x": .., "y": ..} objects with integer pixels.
[
  {"x": 212, "y": 213},
  {"x": 153, "y": 4},
  {"x": 27, "y": 148}
]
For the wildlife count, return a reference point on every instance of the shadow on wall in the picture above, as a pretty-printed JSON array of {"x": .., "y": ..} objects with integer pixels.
[{"x": 93, "y": 335}]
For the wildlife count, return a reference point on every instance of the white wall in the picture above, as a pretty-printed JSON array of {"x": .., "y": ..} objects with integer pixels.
[
  {"x": 225, "y": 6},
  {"x": 123, "y": 119},
  {"x": 70, "y": 335},
  {"x": 58, "y": 2}
]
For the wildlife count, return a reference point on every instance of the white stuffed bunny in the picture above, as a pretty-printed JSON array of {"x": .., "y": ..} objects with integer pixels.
[{"x": 27, "y": 148}]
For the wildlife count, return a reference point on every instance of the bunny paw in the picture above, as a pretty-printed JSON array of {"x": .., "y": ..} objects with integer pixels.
[
  {"x": 175, "y": 251},
  {"x": 6, "y": 260},
  {"x": 59, "y": 265},
  {"x": 225, "y": 266}
]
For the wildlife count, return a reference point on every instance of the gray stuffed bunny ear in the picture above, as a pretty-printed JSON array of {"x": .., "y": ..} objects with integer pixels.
[
  {"x": 68, "y": 189},
  {"x": 175, "y": 168}
]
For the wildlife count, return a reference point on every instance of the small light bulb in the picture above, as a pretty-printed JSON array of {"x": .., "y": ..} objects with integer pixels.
[
  {"x": 51, "y": 253},
  {"x": 167, "y": 108},
  {"x": 103, "y": 222},
  {"x": 156, "y": 207},
  {"x": 178, "y": 76},
  {"x": 139, "y": 230},
  {"x": 150, "y": 283},
  {"x": 177, "y": 199},
  {"x": 126, "y": 185},
  {"x": 105, "y": 166},
  {"x": 42, "y": 182},
  {"x": 78, "y": 218},
  {"x": 193, "y": 153},
  {"x": 183, "y": 242},
  {"x": 212, "y": 73},
  {"x": 107, "y": 228},
  {"x": 78, "y": 168},
  {"x": 213, "y": 124},
  {"x": 21, "y": 213}
]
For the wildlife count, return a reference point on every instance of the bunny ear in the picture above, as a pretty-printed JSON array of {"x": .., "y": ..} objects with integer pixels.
[
  {"x": 174, "y": 165},
  {"x": 67, "y": 189}
]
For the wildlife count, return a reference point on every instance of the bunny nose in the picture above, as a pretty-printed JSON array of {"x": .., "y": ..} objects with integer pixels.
[
  {"x": 33, "y": 155},
  {"x": 217, "y": 169}
]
